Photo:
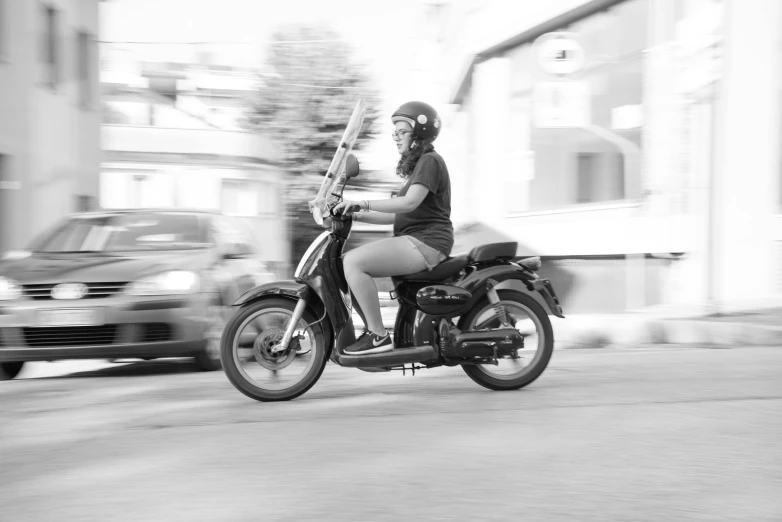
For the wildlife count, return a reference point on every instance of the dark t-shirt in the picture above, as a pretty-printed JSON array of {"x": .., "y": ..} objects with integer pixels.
[{"x": 430, "y": 223}]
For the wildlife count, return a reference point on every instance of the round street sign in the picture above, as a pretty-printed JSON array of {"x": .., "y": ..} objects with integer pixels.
[{"x": 559, "y": 53}]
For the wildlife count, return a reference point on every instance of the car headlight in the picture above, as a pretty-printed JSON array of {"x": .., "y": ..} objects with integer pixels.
[
  {"x": 173, "y": 282},
  {"x": 9, "y": 290},
  {"x": 15, "y": 255}
]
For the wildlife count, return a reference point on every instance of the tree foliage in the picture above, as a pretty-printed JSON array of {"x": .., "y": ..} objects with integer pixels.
[{"x": 311, "y": 84}]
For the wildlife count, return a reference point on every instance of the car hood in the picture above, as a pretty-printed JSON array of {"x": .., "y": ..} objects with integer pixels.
[{"x": 100, "y": 267}]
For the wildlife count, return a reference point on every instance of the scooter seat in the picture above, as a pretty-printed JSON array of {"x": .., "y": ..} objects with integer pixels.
[
  {"x": 448, "y": 268},
  {"x": 453, "y": 265},
  {"x": 493, "y": 251}
]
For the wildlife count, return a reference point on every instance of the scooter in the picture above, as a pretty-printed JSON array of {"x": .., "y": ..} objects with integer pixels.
[{"x": 487, "y": 311}]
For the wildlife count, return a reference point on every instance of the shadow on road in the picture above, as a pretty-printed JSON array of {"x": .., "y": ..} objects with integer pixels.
[{"x": 136, "y": 369}]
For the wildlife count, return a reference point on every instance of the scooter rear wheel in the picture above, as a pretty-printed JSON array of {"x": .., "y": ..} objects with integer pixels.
[
  {"x": 251, "y": 365},
  {"x": 532, "y": 321}
]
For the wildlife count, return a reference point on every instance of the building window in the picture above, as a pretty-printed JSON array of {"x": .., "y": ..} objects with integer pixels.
[
  {"x": 139, "y": 191},
  {"x": 84, "y": 203},
  {"x": 268, "y": 199},
  {"x": 4, "y": 202},
  {"x": 50, "y": 58},
  {"x": 239, "y": 198},
  {"x": 600, "y": 177},
  {"x": 584, "y": 130},
  {"x": 84, "y": 68},
  {"x": 5, "y": 176}
]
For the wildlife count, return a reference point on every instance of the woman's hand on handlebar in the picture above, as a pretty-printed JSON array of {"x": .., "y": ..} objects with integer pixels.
[{"x": 347, "y": 207}]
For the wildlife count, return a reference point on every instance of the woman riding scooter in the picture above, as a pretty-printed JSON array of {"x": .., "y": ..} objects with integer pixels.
[
  {"x": 481, "y": 310},
  {"x": 421, "y": 215}
]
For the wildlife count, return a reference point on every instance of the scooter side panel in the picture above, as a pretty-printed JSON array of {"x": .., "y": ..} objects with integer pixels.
[
  {"x": 540, "y": 289},
  {"x": 421, "y": 326}
]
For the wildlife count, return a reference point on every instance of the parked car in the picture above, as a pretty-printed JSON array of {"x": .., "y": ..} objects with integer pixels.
[{"x": 125, "y": 284}]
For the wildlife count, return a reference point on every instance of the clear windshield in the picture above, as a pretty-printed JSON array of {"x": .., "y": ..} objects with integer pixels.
[
  {"x": 143, "y": 231},
  {"x": 336, "y": 173}
]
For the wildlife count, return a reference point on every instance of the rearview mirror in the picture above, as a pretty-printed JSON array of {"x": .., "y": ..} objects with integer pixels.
[
  {"x": 234, "y": 250},
  {"x": 351, "y": 167}
]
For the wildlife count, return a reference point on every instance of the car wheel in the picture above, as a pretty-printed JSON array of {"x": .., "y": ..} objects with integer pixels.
[
  {"x": 208, "y": 359},
  {"x": 9, "y": 370}
]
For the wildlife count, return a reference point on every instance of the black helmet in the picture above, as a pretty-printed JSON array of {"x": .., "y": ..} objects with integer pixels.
[{"x": 422, "y": 117}]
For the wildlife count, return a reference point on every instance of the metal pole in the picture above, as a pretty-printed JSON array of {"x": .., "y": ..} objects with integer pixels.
[{"x": 712, "y": 227}]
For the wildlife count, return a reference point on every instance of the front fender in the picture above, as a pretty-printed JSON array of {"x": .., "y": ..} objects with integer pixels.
[
  {"x": 292, "y": 290},
  {"x": 288, "y": 288}
]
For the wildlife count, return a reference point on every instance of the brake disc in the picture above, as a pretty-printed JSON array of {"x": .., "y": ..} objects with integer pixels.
[{"x": 262, "y": 350}]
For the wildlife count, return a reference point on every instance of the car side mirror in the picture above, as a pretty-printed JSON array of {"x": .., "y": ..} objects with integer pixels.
[
  {"x": 234, "y": 251},
  {"x": 351, "y": 167}
]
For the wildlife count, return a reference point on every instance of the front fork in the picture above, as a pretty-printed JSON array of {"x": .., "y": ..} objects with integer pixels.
[{"x": 298, "y": 312}]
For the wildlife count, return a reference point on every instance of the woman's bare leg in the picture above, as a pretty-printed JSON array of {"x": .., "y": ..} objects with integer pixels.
[{"x": 385, "y": 258}]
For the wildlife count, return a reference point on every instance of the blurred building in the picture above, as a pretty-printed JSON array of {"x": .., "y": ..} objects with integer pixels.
[
  {"x": 172, "y": 137},
  {"x": 634, "y": 143},
  {"x": 49, "y": 114}
]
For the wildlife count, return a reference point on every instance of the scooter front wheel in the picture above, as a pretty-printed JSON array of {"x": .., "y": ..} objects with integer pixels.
[{"x": 250, "y": 362}]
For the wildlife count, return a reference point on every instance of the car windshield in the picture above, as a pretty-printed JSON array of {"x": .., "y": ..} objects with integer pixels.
[{"x": 147, "y": 231}]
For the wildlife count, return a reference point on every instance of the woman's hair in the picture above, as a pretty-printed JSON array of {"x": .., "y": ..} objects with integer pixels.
[{"x": 418, "y": 148}]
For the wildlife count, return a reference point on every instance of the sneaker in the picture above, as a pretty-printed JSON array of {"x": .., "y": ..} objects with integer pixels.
[{"x": 371, "y": 343}]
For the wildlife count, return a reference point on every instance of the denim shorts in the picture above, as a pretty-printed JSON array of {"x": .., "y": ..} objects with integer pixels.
[{"x": 432, "y": 257}]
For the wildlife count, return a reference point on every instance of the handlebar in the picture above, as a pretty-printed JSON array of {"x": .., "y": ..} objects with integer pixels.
[{"x": 345, "y": 211}]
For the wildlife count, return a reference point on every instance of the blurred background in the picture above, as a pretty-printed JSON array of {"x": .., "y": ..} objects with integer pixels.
[{"x": 633, "y": 144}]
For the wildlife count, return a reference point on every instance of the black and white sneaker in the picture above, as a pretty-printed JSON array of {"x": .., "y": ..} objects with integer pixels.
[{"x": 371, "y": 343}]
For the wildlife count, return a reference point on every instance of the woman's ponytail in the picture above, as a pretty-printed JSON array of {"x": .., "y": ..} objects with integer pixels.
[{"x": 418, "y": 148}]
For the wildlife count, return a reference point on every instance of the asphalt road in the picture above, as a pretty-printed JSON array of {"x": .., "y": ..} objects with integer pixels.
[{"x": 663, "y": 434}]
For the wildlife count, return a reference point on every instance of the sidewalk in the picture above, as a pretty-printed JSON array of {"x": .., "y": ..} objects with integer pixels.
[
  {"x": 760, "y": 328},
  {"x": 756, "y": 328}
]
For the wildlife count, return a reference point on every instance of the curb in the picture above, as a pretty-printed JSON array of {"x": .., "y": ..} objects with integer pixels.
[
  {"x": 680, "y": 331},
  {"x": 628, "y": 331}
]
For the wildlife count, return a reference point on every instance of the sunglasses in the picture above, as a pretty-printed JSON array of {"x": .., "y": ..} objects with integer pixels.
[{"x": 398, "y": 135}]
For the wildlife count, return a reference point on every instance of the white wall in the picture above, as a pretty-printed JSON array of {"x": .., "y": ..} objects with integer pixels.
[
  {"x": 749, "y": 153},
  {"x": 187, "y": 141},
  {"x": 487, "y": 179},
  {"x": 470, "y": 26},
  {"x": 51, "y": 141},
  {"x": 454, "y": 146}
]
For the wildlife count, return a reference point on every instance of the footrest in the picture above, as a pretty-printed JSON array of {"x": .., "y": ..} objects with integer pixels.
[{"x": 396, "y": 357}]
